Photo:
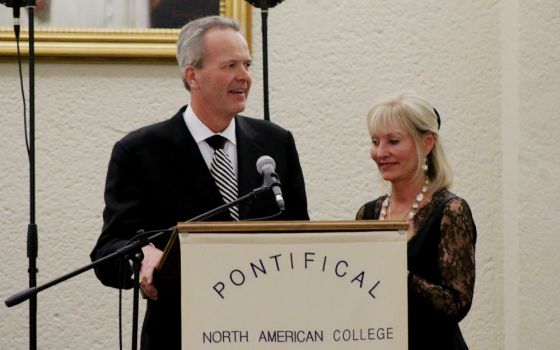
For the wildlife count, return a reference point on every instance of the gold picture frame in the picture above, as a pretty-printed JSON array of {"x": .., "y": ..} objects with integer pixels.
[{"x": 110, "y": 45}]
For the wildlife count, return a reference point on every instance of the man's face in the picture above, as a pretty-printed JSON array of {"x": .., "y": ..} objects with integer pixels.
[{"x": 221, "y": 87}]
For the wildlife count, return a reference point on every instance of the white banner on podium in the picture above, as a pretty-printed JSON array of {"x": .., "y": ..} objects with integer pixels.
[{"x": 294, "y": 291}]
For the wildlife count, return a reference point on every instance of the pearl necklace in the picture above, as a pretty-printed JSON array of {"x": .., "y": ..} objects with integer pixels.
[{"x": 413, "y": 209}]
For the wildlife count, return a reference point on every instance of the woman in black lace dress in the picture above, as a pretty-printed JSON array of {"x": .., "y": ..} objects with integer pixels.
[{"x": 441, "y": 234}]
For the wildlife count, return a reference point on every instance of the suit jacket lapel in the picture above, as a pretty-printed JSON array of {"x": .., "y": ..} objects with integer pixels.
[
  {"x": 248, "y": 151},
  {"x": 199, "y": 184}
]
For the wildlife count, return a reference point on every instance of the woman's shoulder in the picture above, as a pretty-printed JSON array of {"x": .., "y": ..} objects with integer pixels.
[
  {"x": 450, "y": 201},
  {"x": 368, "y": 210},
  {"x": 456, "y": 212}
]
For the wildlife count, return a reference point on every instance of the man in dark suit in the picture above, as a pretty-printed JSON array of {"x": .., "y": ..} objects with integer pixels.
[{"x": 161, "y": 174}]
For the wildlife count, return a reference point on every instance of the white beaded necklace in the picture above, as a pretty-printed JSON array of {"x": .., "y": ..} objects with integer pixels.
[{"x": 413, "y": 209}]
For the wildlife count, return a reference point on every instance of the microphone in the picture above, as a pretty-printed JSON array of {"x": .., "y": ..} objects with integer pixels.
[
  {"x": 264, "y": 4},
  {"x": 15, "y": 4},
  {"x": 266, "y": 166}
]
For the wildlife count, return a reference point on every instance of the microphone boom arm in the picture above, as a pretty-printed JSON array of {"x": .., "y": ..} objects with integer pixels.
[{"x": 127, "y": 249}]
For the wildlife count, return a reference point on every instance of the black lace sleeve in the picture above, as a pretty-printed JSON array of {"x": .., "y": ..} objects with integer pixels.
[{"x": 456, "y": 262}]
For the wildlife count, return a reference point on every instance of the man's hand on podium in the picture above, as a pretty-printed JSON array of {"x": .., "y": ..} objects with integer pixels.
[{"x": 152, "y": 256}]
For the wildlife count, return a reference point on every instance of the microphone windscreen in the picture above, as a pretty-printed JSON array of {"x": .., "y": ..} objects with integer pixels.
[{"x": 265, "y": 161}]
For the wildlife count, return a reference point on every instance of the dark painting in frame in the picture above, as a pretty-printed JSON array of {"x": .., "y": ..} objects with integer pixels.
[{"x": 105, "y": 45}]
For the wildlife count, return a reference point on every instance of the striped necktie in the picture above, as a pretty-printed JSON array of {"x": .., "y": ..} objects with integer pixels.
[{"x": 222, "y": 172}]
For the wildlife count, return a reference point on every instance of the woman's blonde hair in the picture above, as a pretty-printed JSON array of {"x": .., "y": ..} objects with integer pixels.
[{"x": 410, "y": 113}]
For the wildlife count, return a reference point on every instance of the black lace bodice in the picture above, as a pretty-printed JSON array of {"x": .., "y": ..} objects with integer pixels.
[{"x": 441, "y": 264}]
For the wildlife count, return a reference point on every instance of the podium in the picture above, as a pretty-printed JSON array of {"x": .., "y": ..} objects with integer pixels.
[{"x": 292, "y": 285}]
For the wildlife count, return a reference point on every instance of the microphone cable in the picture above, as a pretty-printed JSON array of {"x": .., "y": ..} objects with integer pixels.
[
  {"x": 264, "y": 218},
  {"x": 123, "y": 272},
  {"x": 121, "y": 279},
  {"x": 23, "y": 99}
]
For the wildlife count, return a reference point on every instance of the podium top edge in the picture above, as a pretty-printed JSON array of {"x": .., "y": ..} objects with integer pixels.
[{"x": 290, "y": 226}]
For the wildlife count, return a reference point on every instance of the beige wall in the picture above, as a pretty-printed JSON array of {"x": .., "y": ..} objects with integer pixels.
[
  {"x": 539, "y": 166},
  {"x": 491, "y": 67}
]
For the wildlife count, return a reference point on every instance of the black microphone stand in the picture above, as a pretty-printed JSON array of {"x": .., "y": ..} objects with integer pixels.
[
  {"x": 264, "y": 29},
  {"x": 132, "y": 250},
  {"x": 32, "y": 230},
  {"x": 264, "y": 5},
  {"x": 138, "y": 255}
]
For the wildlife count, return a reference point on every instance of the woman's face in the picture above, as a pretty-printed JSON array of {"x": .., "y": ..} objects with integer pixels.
[{"x": 395, "y": 155}]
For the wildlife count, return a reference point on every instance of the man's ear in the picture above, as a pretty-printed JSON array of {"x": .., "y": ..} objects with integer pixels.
[{"x": 190, "y": 76}]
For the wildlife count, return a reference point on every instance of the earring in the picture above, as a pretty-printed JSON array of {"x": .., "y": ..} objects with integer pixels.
[{"x": 425, "y": 165}]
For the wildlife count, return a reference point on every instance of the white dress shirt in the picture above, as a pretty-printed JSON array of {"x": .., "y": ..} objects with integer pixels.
[{"x": 200, "y": 132}]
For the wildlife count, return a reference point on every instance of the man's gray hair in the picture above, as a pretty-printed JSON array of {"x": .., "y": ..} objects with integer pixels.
[{"x": 190, "y": 44}]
